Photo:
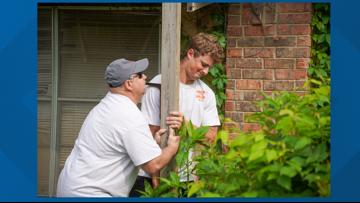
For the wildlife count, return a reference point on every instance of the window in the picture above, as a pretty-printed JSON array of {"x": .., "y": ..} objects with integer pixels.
[{"x": 87, "y": 41}]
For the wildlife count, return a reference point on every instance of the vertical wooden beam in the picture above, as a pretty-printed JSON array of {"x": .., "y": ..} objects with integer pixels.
[
  {"x": 54, "y": 164},
  {"x": 170, "y": 66}
]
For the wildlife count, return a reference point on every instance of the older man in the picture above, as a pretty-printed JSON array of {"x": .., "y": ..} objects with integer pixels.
[{"x": 115, "y": 139}]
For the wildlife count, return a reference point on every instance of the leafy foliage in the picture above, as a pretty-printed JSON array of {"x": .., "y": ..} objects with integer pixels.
[
  {"x": 172, "y": 186},
  {"x": 217, "y": 74},
  {"x": 289, "y": 157},
  {"x": 320, "y": 51}
]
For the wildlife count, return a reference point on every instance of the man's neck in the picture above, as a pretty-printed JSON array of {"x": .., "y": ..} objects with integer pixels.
[
  {"x": 124, "y": 93},
  {"x": 183, "y": 77}
]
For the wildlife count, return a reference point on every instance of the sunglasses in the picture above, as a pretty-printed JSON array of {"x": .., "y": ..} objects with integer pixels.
[{"x": 139, "y": 75}]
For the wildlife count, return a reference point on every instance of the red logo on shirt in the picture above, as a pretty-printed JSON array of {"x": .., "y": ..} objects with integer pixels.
[{"x": 200, "y": 95}]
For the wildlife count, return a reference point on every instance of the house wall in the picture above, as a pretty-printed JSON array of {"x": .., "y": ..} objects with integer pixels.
[{"x": 268, "y": 50}]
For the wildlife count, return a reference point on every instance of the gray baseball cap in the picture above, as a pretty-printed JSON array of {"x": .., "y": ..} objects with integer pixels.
[{"x": 120, "y": 70}]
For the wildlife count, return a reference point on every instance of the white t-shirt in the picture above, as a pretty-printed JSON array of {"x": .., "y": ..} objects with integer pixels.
[
  {"x": 113, "y": 141},
  {"x": 197, "y": 103}
]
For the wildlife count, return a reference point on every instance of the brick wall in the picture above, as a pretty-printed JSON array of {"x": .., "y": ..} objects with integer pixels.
[{"x": 268, "y": 50}]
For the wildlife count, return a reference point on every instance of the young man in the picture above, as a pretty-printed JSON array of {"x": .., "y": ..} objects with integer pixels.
[
  {"x": 115, "y": 140},
  {"x": 197, "y": 100}
]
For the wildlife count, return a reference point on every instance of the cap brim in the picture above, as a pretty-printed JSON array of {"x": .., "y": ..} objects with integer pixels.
[{"x": 141, "y": 65}]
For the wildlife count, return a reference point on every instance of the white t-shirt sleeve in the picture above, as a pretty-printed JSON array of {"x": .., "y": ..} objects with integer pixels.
[
  {"x": 150, "y": 105},
  {"x": 211, "y": 116},
  {"x": 140, "y": 145}
]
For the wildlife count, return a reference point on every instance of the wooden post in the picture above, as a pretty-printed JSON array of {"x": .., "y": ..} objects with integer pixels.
[{"x": 170, "y": 67}]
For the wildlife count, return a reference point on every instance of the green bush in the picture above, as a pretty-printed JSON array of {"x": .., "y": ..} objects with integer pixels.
[{"x": 289, "y": 157}]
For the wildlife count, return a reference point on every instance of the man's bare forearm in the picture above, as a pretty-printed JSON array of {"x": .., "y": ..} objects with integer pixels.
[{"x": 211, "y": 134}]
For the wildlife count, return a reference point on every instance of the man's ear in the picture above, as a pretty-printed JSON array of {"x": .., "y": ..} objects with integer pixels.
[
  {"x": 128, "y": 85},
  {"x": 190, "y": 53}
]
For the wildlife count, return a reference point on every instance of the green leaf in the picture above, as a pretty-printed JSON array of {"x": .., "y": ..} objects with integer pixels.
[
  {"x": 195, "y": 187},
  {"x": 256, "y": 155},
  {"x": 200, "y": 132},
  {"x": 291, "y": 141},
  {"x": 303, "y": 142},
  {"x": 214, "y": 71},
  {"x": 288, "y": 171},
  {"x": 211, "y": 194},
  {"x": 249, "y": 194},
  {"x": 321, "y": 168},
  {"x": 312, "y": 178},
  {"x": 321, "y": 152},
  {"x": 284, "y": 182},
  {"x": 231, "y": 155},
  {"x": 223, "y": 136},
  {"x": 296, "y": 163},
  {"x": 285, "y": 124},
  {"x": 272, "y": 176},
  {"x": 286, "y": 112},
  {"x": 239, "y": 141},
  {"x": 271, "y": 155},
  {"x": 261, "y": 145},
  {"x": 258, "y": 137}
]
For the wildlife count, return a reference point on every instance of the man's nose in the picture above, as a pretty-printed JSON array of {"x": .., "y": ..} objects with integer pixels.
[{"x": 205, "y": 71}]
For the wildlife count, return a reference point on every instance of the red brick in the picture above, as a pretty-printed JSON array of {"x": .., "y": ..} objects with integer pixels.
[
  {"x": 278, "y": 85},
  {"x": 270, "y": 13},
  {"x": 298, "y": 18},
  {"x": 235, "y": 31},
  {"x": 304, "y": 41},
  {"x": 291, "y": 52},
  {"x": 300, "y": 74},
  {"x": 286, "y": 74},
  {"x": 230, "y": 106},
  {"x": 230, "y": 62},
  {"x": 258, "y": 74},
  {"x": 294, "y": 7},
  {"x": 230, "y": 95},
  {"x": 231, "y": 42},
  {"x": 244, "y": 106},
  {"x": 279, "y": 63},
  {"x": 228, "y": 71},
  {"x": 235, "y": 116},
  {"x": 249, "y": 63},
  {"x": 253, "y": 96},
  {"x": 302, "y": 63},
  {"x": 266, "y": 30},
  {"x": 248, "y": 84},
  {"x": 233, "y": 20},
  {"x": 280, "y": 41},
  {"x": 250, "y": 42},
  {"x": 259, "y": 52},
  {"x": 249, "y": 127},
  {"x": 248, "y": 17},
  {"x": 293, "y": 29},
  {"x": 234, "y": 9},
  {"x": 235, "y": 73},
  {"x": 230, "y": 84},
  {"x": 234, "y": 52},
  {"x": 239, "y": 95}
]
